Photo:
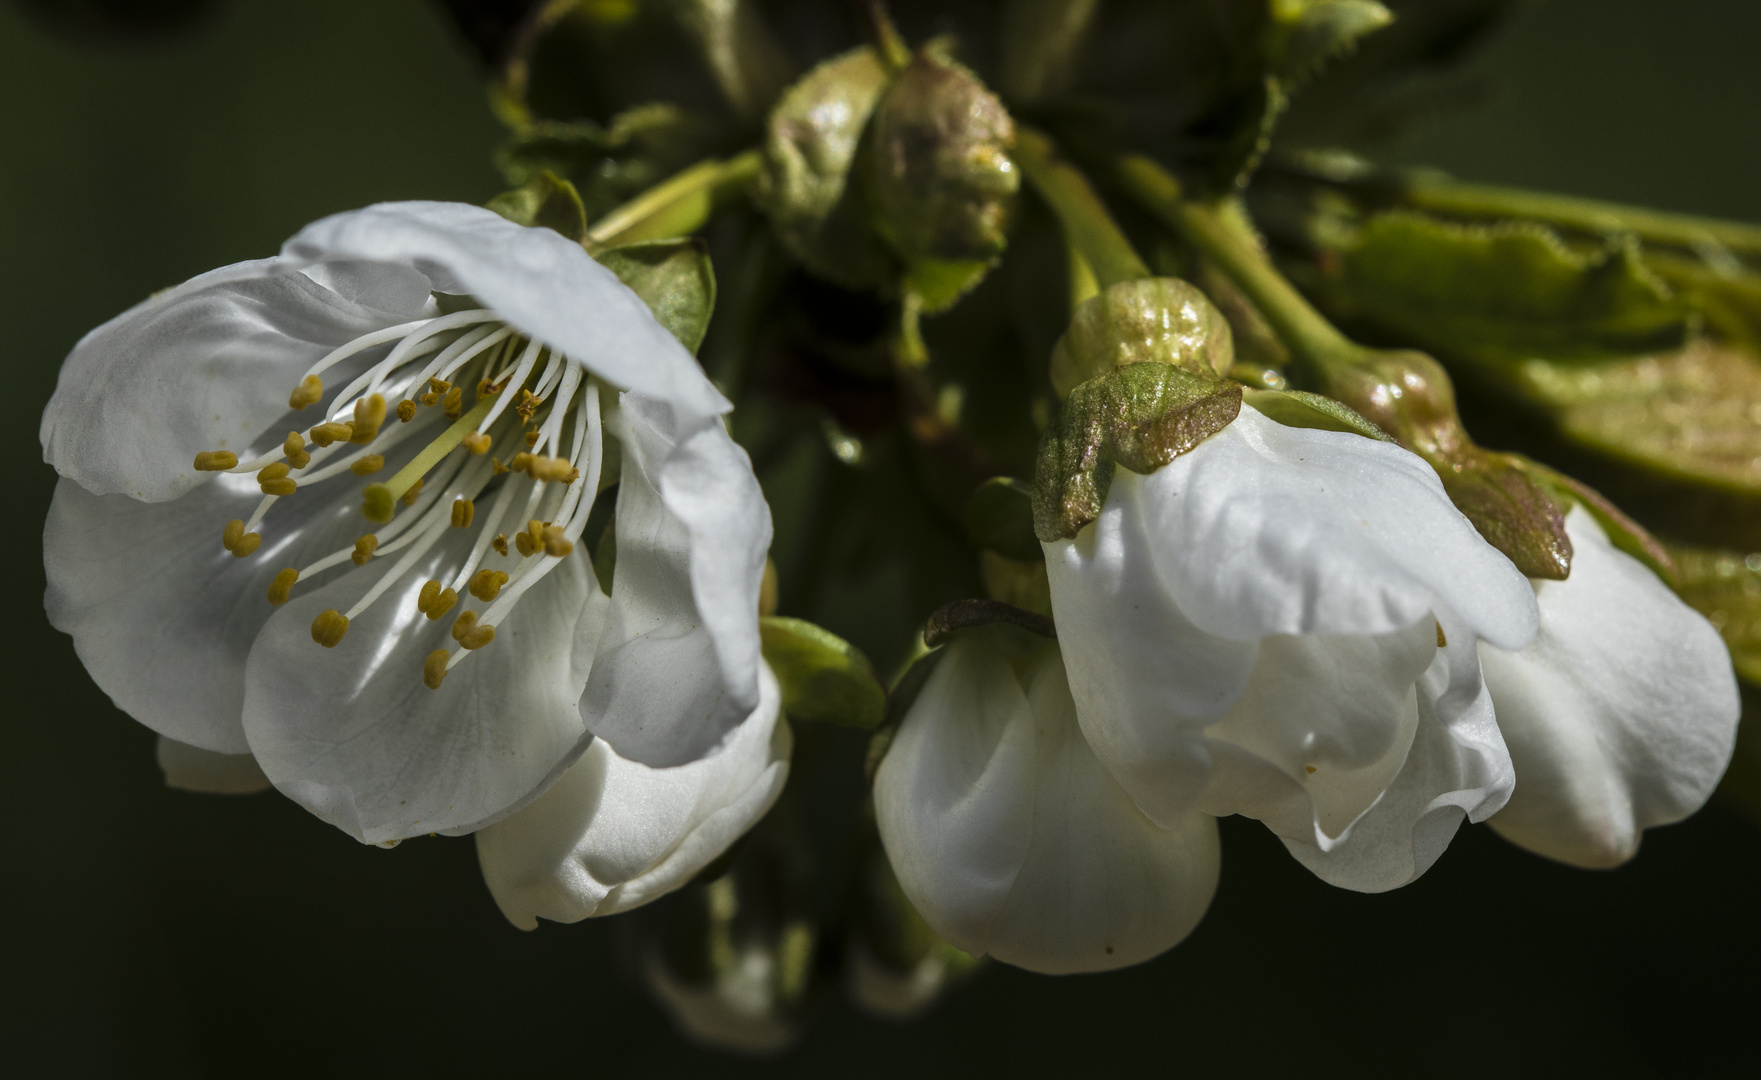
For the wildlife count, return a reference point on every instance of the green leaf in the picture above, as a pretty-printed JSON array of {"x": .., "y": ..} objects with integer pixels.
[
  {"x": 674, "y": 278},
  {"x": 1507, "y": 292},
  {"x": 1725, "y": 586},
  {"x": 824, "y": 678},
  {"x": 940, "y": 283},
  {"x": 1142, "y": 417},
  {"x": 1305, "y": 34},
  {"x": 1300, "y": 409},
  {"x": 608, "y": 164},
  {"x": 999, "y": 516},
  {"x": 547, "y": 201}
]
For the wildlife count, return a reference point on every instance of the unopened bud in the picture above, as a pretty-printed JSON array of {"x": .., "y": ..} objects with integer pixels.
[{"x": 1146, "y": 321}]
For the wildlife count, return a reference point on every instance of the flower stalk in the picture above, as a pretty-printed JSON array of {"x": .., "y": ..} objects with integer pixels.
[
  {"x": 677, "y": 206},
  {"x": 1091, "y": 230}
]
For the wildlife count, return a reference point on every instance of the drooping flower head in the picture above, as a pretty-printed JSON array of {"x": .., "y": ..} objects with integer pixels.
[{"x": 330, "y": 509}]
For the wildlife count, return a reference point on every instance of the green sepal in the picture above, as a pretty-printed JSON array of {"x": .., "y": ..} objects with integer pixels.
[
  {"x": 1507, "y": 292},
  {"x": 1300, "y": 409},
  {"x": 674, "y": 278},
  {"x": 1305, "y": 34},
  {"x": 1513, "y": 511},
  {"x": 824, "y": 678},
  {"x": 1142, "y": 417},
  {"x": 1623, "y": 532},
  {"x": 547, "y": 201},
  {"x": 999, "y": 517}
]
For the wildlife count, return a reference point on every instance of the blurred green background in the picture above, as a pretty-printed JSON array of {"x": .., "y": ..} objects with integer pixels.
[{"x": 148, "y": 932}]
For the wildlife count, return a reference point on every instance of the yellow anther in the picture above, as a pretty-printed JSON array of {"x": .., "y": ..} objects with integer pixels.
[
  {"x": 486, "y": 584},
  {"x": 434, "y": 668},
  {"x": 430, "y": 398},
  {"x": 406, "y": 411},
  {"x": 485, "y": 388},
  {"x": 496, "y": 468},
  {"x": 294, "y": 446},
  {"x": 523, "y": 544},
  {"x": 555, "y": 542},
  {"x": 574, "y": 475},
  {"x": 364, "y": 548},
  {"x": 463, "y": 510},
  {"x": 477, "y": 442},
  {"x": 329, "y": 627},
  {"x": 331, "y": 432},
  {"x": 284, "y": 486},
  {"x": 548, "y": 468},
  {"x": 216, "y": 461},
  {"x": 377, "y": 504},
  {"x": 500, "y": 543},
  {"x": 454, "y": 403},
  {"x": 232, "y": 534},
  {"x": 409, "y": 498},
  {"x": 310, "y": 390},
  {"x": 477, "y": 637},
  {"x": 369, "y": 417},
  {"x": 247, "y": 544},
  {"x": 529, "y": 403},
  {"x": 443, "y": 603},
  {"x": 1442, "y": 642},
  {"x": 519, "y": 462},
  {"x": 282, "y": 586},
  {"x": 368, "y": 465},
  {"x": 531, "y": 439},
  {"x": 463, "y": 624},
  {"x": 439, "y": 386},
  {"x": 1310, "y": 768},
  {"x": 425, "y": 599},
  {"x": 272, "y": 472}
]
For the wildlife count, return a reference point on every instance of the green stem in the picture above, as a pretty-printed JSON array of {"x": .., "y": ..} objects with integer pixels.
[
  {"x": 1226, "y": 240},
  {"x": 1090, "y": 229},
  {"x": 1446, "y": 195},
  {"x": 677, "y": 206},
  {"x": 1041, "y": 42}
]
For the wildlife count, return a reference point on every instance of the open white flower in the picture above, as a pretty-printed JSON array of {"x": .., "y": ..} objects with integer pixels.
[
  {"x": 1281, "y": 624},
  {"x": 1011, "y": 839},
  {"x": 1621, "y": 715},
  {"x": 243, "y": 606}
]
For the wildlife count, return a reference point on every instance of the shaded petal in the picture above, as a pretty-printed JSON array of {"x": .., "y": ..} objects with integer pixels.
[
  {"x": 353, "y": 735},
  {"x": 1334, "y": 716},
  {"x": 544, "y": 285},
  {"x": 611, "y": 835},
  {"x": 678, "y": 661},
  {"x": 205, "y": 366},
  {"x": 1011, "y": 838},
  {"x": 1458, "y": 768},
  {"x": 161, "y": 615},
  {"x": 190, "y": 768},
  {"x": 1622, "y": 714},
  {"x": 1266, "y": 529}
]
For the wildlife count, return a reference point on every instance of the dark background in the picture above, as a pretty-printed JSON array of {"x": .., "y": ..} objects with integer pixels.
[{"x": 146, "y": 931}]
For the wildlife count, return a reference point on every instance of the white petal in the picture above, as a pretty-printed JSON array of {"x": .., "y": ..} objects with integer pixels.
[
  {"x": 161, "y": 615},
  {"x": 1146, "y": 681},
  {"x": 1457, "y": 768},
  {"x": 205, "y": 366},
  {"x": 1266, "y": 529},
  {"x": 544, "y": 285},
  {"x": 611, "y": 835},
  {"x": 1010, "y": 837},
  {"x": 1333, "y": 715},
  {"x": 677, "y": 665},
  {"x": 352, "y": 734},
  {"x": 1622, "y": 714},
  {"x": 190, "y": 768}
]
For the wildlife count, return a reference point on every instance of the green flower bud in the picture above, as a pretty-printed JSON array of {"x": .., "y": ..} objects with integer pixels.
[
  {"x": 812, "y": 141},
  {"x": 943, "y": 182},
  {"x": 1147, "y": 321}
]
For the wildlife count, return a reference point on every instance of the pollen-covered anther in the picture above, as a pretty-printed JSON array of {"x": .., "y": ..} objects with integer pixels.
[
  {"x": 406, "y": 411},
  {"x": 368, "y": 465},
  {"x": 532, "y": 540},
  {"x": 369, "y": 418},
  {"x": 485, "y": 388},
  {"x": 282, "y": 586},
  {"x": 273, "y": 479},
  {"x": 434, "y": 668},
  {"x": 477, "y": 637},
  {"x": 294, "y": 446},
  {"x": 443, "y": 602},
  {"x": 548, "y": 468},
  {"x": 486, "y": 584},
  {"x": 556, "y": 542},
  {"x": 329, "y": 627},
  {"x": 1442, "y": 640},
  {"x": 531, "y": 439},
  {"x": 496, "y": 468},
  {"x": 463, "y": 510},
  {"x": 236, "y": 540},
  {"x": 463, "y": 624},
  {"x": 500, "y": 543},
  {"x": 454, "y": 403},
  {"x": 331, "y": 432},
  {"x": 309, "y": 392},
  {"x": 365, "y": 546},
  {"x": 216, "y": 461},
  {"x": 519, "y": 462},
  {"x": 529, "y": 403},
  {"x": 410, "y": 496},
  {"x": 476, "y": 442}
]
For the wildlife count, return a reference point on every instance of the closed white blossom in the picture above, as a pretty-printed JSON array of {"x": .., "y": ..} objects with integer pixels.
[{"x": 327, "y": 513}]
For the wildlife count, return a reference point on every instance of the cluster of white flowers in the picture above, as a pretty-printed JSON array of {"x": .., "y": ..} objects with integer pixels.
[{"x": 1292, "y": 625}]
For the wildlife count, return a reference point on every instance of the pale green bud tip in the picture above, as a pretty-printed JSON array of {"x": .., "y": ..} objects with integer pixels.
[{"x": 1147, "y": 321}]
